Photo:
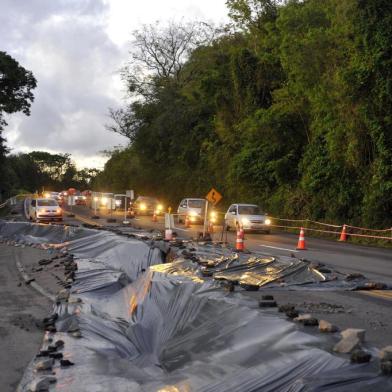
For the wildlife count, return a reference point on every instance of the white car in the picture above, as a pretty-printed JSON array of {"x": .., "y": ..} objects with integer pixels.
[
  {"x": 247, "y": 216},
  {"x": 45, "y": 209},
  {"x": 193, "y": 209}
]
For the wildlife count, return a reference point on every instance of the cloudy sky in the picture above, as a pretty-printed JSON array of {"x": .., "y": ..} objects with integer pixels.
[{"x": 74, "y": 49}]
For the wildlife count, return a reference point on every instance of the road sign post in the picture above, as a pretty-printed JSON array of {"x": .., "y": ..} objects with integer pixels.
[
  {"x": 125, "y": 211},
  {"x": 205, "y": 219},
  {"x": 213, "y": 197}
]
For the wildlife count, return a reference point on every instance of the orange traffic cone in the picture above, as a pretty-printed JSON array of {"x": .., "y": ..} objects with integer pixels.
[
  {"x": 154, "y": 217},
  {"x": 343, "y": 235},
  {"x": 187, "y": 221},
  {"x": 301, "y": 241},
  {"x": 239, "y": 242}
]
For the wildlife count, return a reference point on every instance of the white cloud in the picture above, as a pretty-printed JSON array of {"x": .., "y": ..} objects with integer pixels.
[{"x": 75, "y": 48}]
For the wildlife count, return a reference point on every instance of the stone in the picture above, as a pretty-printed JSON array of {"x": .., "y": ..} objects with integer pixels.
[
  {"x": 292, "y": 313},
  {"x": 286, "y": 307},
  {"x": 76, "y": 334},
  {"x": 311, "y": 322},
  {"x": 43, "y": 353},
  {"x": 250, "y": 287},
  {"x": 325, "y": 326},
  {"x": 63, "y": 295},
  {"x": 56, "y": 355},
  {"x": 66, "y": 363},
  {"x": 386, "y": 367},
  {"x": 347, "y": 345},
  {"x": 302, "y": 317},
  {"x": 386, "y": 353},
  {"x": 59, "y": 343},
  {"x": 354, "y": 276},
  {"x": 360, "y": 356},
  {"x": 41, "y": 384},
  {"x": 267, "y": 304},
  {"x": 45, "y": 261},
  {"x": 74, "y": 300},
  {"x": 354, "y": 332},
  {"x": 45, "y": 364}
]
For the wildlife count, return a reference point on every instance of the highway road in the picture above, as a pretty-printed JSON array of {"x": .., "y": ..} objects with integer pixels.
[{"x": 375, "y": 263}]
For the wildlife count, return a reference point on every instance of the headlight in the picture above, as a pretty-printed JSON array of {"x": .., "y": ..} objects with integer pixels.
[
  {"x": 143, "y": 206},
  {"x": 245, "y": 221},
  {"x": 84, "y": 197},
  {"x": 47, "y": 195},
  {"x": 58, "y": 211},
  {"x": 268, "y": 221},
  {"x": 118, "y": 203},
  {"x": 213, "y": 215},
  {"x": 104, "y": 200},
  {"x": 95, "y": 198},
  {"x": 193, "y": 213},
  {"x": 159, "y": 207}
]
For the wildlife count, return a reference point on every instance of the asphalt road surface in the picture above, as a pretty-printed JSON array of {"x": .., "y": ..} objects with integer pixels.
[{"x": 21, "y": 310}]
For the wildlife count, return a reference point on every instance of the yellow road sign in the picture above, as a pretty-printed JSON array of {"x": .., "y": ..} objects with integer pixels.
[{"x": 213, "y": 196}]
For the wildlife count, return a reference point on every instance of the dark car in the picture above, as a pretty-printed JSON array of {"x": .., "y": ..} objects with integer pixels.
[{"x": 145, "y": 205}]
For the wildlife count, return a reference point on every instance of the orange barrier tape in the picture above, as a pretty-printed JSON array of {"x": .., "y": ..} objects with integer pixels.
[
  {"x": 365, "y": 229},
  {"x": 335, "y": 232}
]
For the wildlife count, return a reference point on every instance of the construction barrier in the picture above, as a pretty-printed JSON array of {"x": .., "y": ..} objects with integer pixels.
[{"x": 343, "y": 232}]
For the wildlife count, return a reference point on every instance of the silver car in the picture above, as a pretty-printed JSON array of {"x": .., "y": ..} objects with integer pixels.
[
  {"x": 193, "y": 209},
  {"x": 45, "y": 210},
  {"x": 248, "y": 216}
]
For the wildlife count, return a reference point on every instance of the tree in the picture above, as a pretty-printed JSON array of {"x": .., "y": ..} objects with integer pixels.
[
  {"x": 53, "y": 165},
  {"x": 16, "y": 85},
  {"x": 159, "y": 52},
  {"x": 291, "y": 109}
]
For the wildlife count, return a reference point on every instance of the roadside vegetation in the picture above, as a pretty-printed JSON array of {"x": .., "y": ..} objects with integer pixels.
[{"x": 288, "y": 107}]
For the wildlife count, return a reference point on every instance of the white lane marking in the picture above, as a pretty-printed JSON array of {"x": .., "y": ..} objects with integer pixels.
[
  {"x": 177, "y": 228},
  {"x": 274, "y": 247}
]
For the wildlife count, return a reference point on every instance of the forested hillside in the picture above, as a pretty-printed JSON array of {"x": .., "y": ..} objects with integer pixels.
[{"x": 289, "y": 107}]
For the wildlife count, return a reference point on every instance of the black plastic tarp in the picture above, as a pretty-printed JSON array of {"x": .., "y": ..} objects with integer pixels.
[{"x": 147, "y": 328}]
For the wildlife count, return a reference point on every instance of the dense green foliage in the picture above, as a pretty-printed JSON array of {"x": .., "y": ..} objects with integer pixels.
[
  {"x": 40, "y": 170},
  {"x": 291, "y": 109}
]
